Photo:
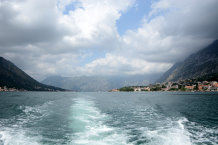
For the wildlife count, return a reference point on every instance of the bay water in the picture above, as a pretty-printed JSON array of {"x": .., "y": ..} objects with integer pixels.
[{"x": 107, "y": 118}]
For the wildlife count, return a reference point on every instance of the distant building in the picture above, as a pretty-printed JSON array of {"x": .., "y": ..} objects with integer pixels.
[
  {"x": 200, "y": 87},
  {"x": 213, "y": 89},
  {"x": 164, "y": 89},
  {"x": 169, "y": 84},
  {"x": 137, "y": 89},
  {"x": 115, "y": 90},
  {"x": 214, "y": 83},
  {"x": 146, "y": 89},
  {"x": 205, "y": 82},
  {"x": 206, "y": 87},
  {"x": 189, "y": 87},
  {"x": 7, "y": 89},
  {"x": 175, "y": 86}
]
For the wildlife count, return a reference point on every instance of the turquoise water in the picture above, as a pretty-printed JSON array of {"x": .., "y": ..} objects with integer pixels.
[{"x": 150, "y": 118}]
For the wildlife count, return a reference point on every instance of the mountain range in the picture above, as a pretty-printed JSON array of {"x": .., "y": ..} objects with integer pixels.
[
  {"x": 203, "y": 64},
  {"x": 99, "y": 83},
  {"x": 13, "y": 77}
]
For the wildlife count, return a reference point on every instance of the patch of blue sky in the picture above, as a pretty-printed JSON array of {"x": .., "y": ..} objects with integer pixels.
[
  {"x": 71, "y": 7},
  {"x": 91, "y": 56},
  {"x": 132, "y": 18}
]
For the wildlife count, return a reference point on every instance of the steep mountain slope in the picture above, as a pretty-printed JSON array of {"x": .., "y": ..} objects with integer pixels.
[
  {"x": 201, "y": 64},
  {"x": 169, "y": 72},
  {"x": 13, "y": 77}
]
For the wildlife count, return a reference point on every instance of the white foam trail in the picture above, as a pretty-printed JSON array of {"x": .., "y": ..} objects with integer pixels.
[
  {"x": 178, "y": 134},
  {"x": 201, "y": 134},
  {"x": 90, "y": 127},
  {"x": 168, "y": 135},
  {"x": 88, "y": 122},
  {"x": 9, "y": 136},
  {"x": 160, "y": 129},
  {"x": 13, "y": 132}
]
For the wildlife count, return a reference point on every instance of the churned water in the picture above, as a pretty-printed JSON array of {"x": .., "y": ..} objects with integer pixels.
[{"x": 150, "y": 118}]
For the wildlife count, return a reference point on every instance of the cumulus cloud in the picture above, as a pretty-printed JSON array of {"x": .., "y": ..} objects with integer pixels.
[
  {"x": 176, "y": 29},
  {"x": 117, "y": 64},
  {"x": 45, "y": 37},
  {"x": 29, "y": 22}
]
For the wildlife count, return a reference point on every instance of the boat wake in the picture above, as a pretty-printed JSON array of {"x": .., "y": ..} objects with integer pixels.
[
  {"x": 15, "y": 130},
  {"x": 88, "y": 124}
]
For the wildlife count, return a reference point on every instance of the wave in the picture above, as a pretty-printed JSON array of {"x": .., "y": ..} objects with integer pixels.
[
  {"x": 172, "y": 134},
  {"x": 150, "y": 126},
  {"x": 201, "y": 134},
  {"x": 11, "y": 136},
  {"x": 160, "y": 129},
  {"x": 13, "y": 131}
]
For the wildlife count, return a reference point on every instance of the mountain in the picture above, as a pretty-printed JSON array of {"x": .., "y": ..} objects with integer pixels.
[
  {"x": 203, "y": 64},
  {"x": 98, "y": 83},
  {"x": 13, "y": 77},
  {"x": 77, "y": 83}
]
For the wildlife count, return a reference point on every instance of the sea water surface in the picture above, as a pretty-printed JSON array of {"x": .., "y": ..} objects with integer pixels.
[{"x": 149, "y": 118}]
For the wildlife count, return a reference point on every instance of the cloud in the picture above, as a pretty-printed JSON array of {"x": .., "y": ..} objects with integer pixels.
[
  {"x": 116, "y": 65},
  {"x": 46, "y": 37},
  {"x": 29, "y": 22},
  {"x": 94, "y": 23},
  {"x": 173, "y": 30}
]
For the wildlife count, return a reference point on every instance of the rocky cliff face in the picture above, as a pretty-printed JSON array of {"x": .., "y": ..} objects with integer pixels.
[
  {"x": 200, "y": 64},
  {"x": 13, "y": 77}
]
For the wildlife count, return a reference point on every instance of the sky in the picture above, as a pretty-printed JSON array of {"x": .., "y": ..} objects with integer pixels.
[{"x": 104, "y": 37}]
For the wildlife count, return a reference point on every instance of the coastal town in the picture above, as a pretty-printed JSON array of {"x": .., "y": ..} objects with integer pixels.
[
  {"x": 5, "y": 89},
  {"x": 182, "y": 85},
  {"x": 9, "y": 89}
]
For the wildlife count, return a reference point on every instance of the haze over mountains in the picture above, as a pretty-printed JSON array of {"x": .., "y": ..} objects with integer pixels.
[
  {"x": 99, "y": 83},
  {"x": 204, "y": 63}
]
